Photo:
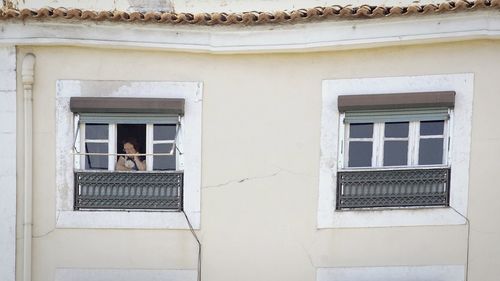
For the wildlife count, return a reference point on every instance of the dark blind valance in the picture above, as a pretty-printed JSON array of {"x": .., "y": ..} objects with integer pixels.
[
  {"x": 396, "y": 101},
  {"x": 127, "y": 105},
  {"x": 396, "y": 115}
]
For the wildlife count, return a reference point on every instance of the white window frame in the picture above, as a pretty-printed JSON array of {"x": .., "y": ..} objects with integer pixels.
[
  {"x": 378, "y": 139},
  {"x": 189, "y": 134},
  {"x": 80, "y": 141},
  {"x": 458, "y": 159}
]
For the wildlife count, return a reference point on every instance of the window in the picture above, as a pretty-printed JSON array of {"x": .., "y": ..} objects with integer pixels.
[
  {"x": 139, "y": 99},
  {"x": 394, "y": 157},
  {"x": 401, "y": 143},
  {"x": 405, "y": 93},
  {"x": 128, "y": 160},
  {"x": 103, "y": 138}
]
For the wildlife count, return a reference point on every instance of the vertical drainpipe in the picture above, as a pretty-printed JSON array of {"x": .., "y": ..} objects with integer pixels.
[{"x": 28, "y": 78}]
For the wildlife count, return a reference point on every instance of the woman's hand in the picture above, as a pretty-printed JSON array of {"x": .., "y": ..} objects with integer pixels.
[{"x": 140, "y": 164}]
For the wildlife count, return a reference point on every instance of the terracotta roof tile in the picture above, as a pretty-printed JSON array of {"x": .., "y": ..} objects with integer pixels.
[{"x": 252, "y": 18}]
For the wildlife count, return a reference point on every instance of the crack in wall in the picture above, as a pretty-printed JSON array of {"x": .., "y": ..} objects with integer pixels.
[
  {"x": 243, "y": 180},
  {"x": 308, "y": 254},
  {"x": 48, "y": 232},
  {"x": 281, "y": 169}
]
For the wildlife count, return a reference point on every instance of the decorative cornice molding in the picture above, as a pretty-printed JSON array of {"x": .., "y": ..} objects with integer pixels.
[
  {"x": 306, "y": 37},
  {"x": 252, "y": 18}
]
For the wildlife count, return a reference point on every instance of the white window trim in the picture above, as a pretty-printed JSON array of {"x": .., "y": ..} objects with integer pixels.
[
  {"x": 105, "y": 274},
  {"x": 460, "y": 131},
  {"x": 392, "y": 273},
  {"x": 66, "y": 217}
]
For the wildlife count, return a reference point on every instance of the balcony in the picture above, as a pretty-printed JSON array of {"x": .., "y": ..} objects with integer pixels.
[
  {"x": 393, "y": 188},
  {"x": 128, "y": 190}
]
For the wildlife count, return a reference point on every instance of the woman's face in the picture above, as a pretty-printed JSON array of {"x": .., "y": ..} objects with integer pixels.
[{"x": 129, "y": 148}]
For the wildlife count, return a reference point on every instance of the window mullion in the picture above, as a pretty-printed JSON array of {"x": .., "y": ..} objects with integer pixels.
[
  {"x": 417, "y": 143},
  {"x": 414, "y": 141},
  {"x": 449, "y": 131},
  {"x": 411, "y": 143},
  {"x": 374, "y": 145},
  {"x": 378, "y": 145},
  {"x": 346, "y": 145},
  {"x": 76, "y": 142},
  {"x": 342, "y": 146},
  {"x": 83, "y": 149},
  {"x": 111, "y": 147},
  {"x": 411, "y": 133},
  {"x": 446, "y": 139},
  {"x": 149, "y": 146},
  {"x": 179, "y": 158}
]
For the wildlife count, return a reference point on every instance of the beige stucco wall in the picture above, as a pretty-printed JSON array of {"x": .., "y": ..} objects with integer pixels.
[{"x": 261, "y": 122}]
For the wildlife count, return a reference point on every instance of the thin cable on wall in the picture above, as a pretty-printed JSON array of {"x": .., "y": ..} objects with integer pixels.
[
  {"x": 199, "y": 245},
  {"x": 468, "y": 243}
]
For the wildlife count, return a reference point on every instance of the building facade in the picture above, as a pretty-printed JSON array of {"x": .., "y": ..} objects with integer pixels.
[{"x": 342, "y": 142}]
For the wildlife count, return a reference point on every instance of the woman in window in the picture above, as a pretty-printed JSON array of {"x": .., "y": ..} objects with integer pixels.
[{"x": 130, "y": 161}]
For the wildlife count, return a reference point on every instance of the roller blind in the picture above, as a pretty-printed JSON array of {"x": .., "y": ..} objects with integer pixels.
[
  {"x": 127, "y": 105},
  {"x": 396, "y": 101},
  {"x": 396, "y": 115}
]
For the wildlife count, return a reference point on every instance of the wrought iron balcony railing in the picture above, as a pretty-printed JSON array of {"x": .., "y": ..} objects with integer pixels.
[
  {"x": 128, "y": 190},
  {"x": 393, "y": 188}
]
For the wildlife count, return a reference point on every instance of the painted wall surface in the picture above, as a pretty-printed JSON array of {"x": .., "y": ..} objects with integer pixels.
[
  {"x": 260, "y": 166},
  {"x": 199, "y": 6},
  {"x": 7, "y": 162}
]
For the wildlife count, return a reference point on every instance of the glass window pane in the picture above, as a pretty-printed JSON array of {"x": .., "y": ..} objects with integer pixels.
[
  {"x": 134, "y": 134},
  {"x": 430, "y": 151},
  {"x": 429, "y": 128},
  {"x": 96, "y": 131},
  {"x": 166, "y": 162},
  {"x": 396, "y": 129},
  {"x": 364, "y": 130},
  {"x": 360, "y": 154},
  {"x": 164, "y": 131},
  {"x": 96, "y": 162},
  {"x": 395, "y": 153}
]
